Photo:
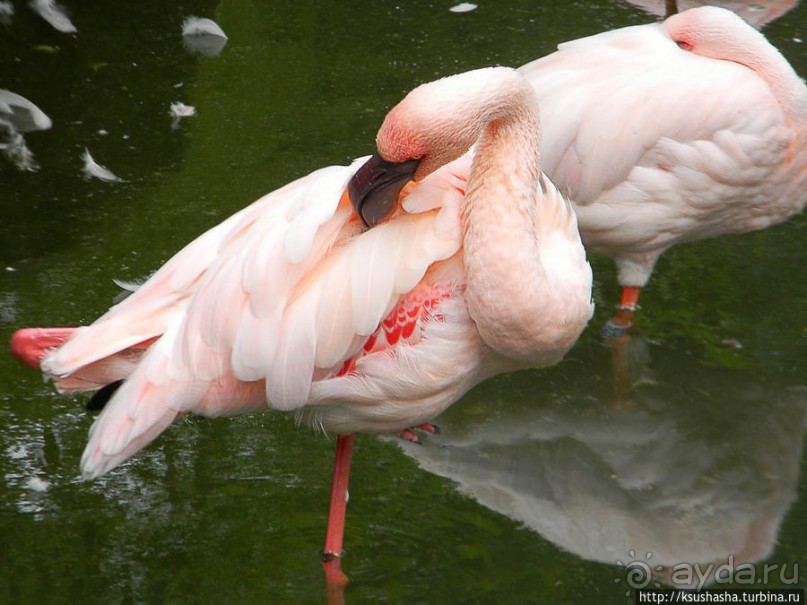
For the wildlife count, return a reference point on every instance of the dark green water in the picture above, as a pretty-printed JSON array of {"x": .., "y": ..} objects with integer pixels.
[{"x": 541, "y": 481}]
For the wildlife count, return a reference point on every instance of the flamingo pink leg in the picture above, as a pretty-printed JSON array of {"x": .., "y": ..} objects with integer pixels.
[
  {"x": 622, "y": 321},
  {"x": 630, "y": 298},
  {"x": 336, "y": 514}
]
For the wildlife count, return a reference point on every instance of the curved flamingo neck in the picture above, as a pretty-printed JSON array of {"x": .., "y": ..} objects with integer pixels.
[
  {"x": 785, "y": 84},
  {"x": 504, "y": 273}
]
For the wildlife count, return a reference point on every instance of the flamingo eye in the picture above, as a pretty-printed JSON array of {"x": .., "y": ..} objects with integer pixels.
[{"x": 683, "y": 44}]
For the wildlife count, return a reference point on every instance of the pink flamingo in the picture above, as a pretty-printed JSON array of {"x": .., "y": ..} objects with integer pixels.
[
  {"x": 671, "y": 132},
  {"x": 293, "y": 305}
]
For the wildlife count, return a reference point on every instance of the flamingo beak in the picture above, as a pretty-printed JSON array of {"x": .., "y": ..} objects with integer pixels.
[{"x": 375, "y": 187}]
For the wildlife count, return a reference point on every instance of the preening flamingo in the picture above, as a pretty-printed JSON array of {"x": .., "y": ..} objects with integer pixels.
[
  {"x": 671, "y": 132},
  {"x": 293, "y": 305}
]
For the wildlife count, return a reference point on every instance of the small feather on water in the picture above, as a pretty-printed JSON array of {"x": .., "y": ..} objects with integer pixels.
[
  {"x": 93, "y": 169},
  {"x": 463, "y": 7},
  {"x": 13, "y": 147},
  {"x": 179, "y": 110},
  {"x": 24, "y": 115},
  {"x": 131, "y": 286},
  {"x": 203, "y": 36},
  {"x": 54, "y": 14},
  {"x": 6, "y": 12}
]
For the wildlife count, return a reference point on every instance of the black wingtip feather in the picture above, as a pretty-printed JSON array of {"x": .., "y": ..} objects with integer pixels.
[{"x": 102, "y": 396}]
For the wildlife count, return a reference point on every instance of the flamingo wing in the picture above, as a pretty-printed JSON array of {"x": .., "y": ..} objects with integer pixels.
[
  {"x": 147, "y": 313},
  {"x": 249, "y": 314}
]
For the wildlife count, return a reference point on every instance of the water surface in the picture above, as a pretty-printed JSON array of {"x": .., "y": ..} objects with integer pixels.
[{"x": 541, "y": 482}]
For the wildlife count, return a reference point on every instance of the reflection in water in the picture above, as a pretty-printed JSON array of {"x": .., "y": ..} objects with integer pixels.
[
  {"x": 657, "y": 478},
  {"x": 8, "y": 302},
  {"x": 756, "y": 12}
]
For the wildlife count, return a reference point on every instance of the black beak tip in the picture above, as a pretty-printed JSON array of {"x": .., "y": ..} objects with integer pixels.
[{"x": 375, "y": 187}]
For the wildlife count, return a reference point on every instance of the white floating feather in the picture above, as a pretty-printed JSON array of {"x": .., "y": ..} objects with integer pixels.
[
  {"x": 13, "y": 146},
  {"x": 53, "y": 13},
  {"x": 129, "y": 286},
  {"x": 21, "y": 113},
  {"x": 463, "y": 7},
  {"x": 92, "y": 169},
  {"x": 6, "y": 12},
  {"x": 179, "y": 110},
  {"x": 203, "y": 36}
]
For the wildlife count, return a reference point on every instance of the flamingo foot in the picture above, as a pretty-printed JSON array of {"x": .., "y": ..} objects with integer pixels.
[
  {"x": 429, "y": 428},
  {"x": 412, "y": 437},
  {"x": 408, "y": 435}
]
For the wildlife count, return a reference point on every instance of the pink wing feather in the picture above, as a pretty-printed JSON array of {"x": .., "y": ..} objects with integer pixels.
[{"x": 283, "y": 293}]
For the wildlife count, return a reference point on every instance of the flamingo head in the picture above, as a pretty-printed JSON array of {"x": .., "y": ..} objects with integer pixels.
[
  {"x": 712, "y": 32},
  {"x": 435, "y": 124}
]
